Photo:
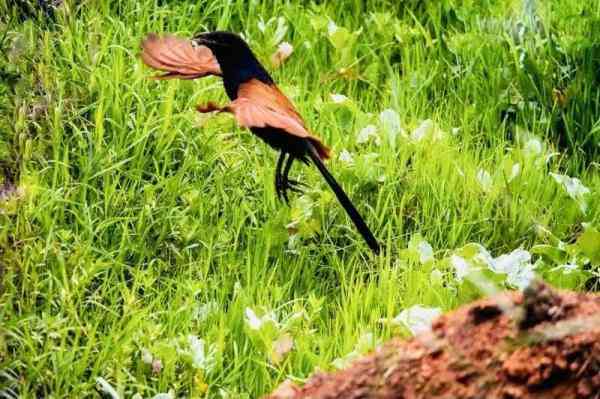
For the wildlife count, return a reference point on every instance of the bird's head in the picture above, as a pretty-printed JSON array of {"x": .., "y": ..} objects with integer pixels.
[
  {"x": 229, "y": 48},
  {"x": 237, "y": 61}
]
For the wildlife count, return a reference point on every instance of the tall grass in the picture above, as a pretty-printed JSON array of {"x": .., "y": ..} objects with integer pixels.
[{"x": 136, "y": 223}]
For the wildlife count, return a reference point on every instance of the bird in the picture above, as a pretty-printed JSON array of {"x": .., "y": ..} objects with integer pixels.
[{"x": 256, "y": 103}]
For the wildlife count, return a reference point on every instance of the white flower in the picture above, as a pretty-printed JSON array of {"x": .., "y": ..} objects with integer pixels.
[
  {"x": 105, "y": 387},
  {"x": 533, "y": 147},
  {"x": 168, "y": 395},
  {"x": 255, "y": 323},
  {"x": 455, "y": 131},
  {"x": 346, "y": 157},
  {"x": 281, "y": 30},
  {"x": 461, "y": 267},
  {"x": 202, "y": 356},
  {"x": 514, "y": 172},
  {"x": 366, "y": 133},
  {"x": 425, "y": 252},
  {"x": 575, "y": 189},
  {"x": 417, "y": 318},
  {"x": 252, "y": 320},
  {"x": 146, "y": 356},
  {"x": 508, "y": 263},
  {"x": 517, "y": 267},
  {"x": 436, "y": 277},
  {"x": 425, "y": 128},
  {"x": 284, "y": 50},
  {"x": 338, "y": 98},
  {"x": 521, "y": 278},
  {"x": 390, "y": 122},
  {"x": 331, "y": 28},
  {"x": 485, "y": 180}
]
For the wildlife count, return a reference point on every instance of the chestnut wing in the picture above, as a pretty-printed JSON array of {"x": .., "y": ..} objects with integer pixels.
[{"x": 179, "y": 57}]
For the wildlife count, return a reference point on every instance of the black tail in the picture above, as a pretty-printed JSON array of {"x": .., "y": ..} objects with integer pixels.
[{"x": 358, "y": 221}]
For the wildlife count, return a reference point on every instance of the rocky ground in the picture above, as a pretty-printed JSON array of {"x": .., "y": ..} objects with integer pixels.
[{"x": 536, "y": 344}]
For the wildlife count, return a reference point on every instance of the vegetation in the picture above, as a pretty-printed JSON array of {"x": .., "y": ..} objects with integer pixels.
[{"x": 142, "y": 248}]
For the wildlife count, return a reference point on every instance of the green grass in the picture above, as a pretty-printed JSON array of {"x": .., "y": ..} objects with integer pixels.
[{"x": 133, "y": 211}]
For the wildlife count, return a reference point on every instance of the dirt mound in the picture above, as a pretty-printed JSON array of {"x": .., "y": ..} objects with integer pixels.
[{"x": 536, "y": 344}]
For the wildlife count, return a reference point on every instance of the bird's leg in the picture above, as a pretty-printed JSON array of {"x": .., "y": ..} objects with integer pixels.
[
  {"x": 278, "y": 176},
  {"x": 286, "y": 182},
  {"x": 292, "y": 184}
]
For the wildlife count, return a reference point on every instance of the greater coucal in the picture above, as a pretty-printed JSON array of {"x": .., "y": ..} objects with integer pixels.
[{"x": 256, "y": 104}]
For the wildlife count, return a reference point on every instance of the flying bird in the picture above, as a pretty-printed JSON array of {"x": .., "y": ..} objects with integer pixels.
[{"x": 256, "y": 103}]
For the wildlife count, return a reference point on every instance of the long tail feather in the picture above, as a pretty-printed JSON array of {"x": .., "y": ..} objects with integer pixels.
[{"x": 358, "y": 221}]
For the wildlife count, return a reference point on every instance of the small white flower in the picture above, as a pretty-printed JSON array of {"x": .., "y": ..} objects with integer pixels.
[
  {"x": 514, "y": 172},
  {"x": 521, "y": 278},
  {"x": 202, "y": 356},
  {"x": 331, "y": 28},
  {"x": 425, "y": 252},
  {"x": 417, "y": 318},
  {"x": 485, "y": 180},
  {"x": 255, "y": 323},
  {"x": 390, "y": 123},
  {"x": 108, "y": 389},
  {"x": 338, "y": 98},
  {"x": 146, "y": 356},
  {"x": 533, "y": 147},
  {"x": 280, "y": 31},
  {"x": 455, "y": 131},
  {"x": 517, "y": 267},
  {"x": 436, "y": 277},
  {"x": 461, "y": 267},
  {"x": 366, "y": 133},
  {"x": 284, "y": 50},
  {"x": 346, "y": 157},
  {"x": 167, "y": 395},
  {"x": 425, "y": 128},
  {"x": 390, "y": 120},
  {"x": 509, "y": 263},
  {"x": 252, "y": 320},
  {"x": 575, "y": 189}
]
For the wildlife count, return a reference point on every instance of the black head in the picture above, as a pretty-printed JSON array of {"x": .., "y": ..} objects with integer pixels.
[{"x": 237, "y": 61}]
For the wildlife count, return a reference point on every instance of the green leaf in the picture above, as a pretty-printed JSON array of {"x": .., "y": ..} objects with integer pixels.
[
  {"x": 551, "y": 253},
  {"x": 589, "y": 243}
]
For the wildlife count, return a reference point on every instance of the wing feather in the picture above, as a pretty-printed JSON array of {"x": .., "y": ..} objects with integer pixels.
[
  {"x": 249, "y": 114},
  {"x": 178, "y": 57}
]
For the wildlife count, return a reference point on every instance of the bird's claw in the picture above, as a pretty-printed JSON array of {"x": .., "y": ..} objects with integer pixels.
[{"x": 282, "y": 187}]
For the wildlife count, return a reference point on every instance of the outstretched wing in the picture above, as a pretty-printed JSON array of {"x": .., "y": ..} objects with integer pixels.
[{"x": 179, "y": 57}]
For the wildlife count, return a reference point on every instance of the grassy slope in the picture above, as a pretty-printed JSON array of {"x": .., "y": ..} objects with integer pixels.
[{"x": 134, "y": 211}]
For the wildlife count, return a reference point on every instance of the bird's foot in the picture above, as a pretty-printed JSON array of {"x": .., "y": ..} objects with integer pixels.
[{"x": 283, "y": 186}]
